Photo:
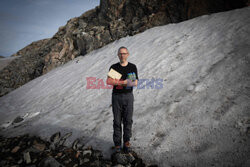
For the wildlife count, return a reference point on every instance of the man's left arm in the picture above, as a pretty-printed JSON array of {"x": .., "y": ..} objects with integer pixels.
[
  {"x": 133, "y": 83},
  {"x": 136, "y": 73}
]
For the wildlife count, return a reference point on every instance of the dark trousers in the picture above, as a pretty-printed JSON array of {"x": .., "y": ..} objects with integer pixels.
[{"x": 122, "y": 107}]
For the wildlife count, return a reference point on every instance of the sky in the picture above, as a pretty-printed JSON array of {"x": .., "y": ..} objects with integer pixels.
[
  {"x": 25, "y": 21},
  {"x": 197, "y": 116}
]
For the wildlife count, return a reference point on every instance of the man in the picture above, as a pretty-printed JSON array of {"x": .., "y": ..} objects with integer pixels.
[{"x": 123, "y": 99}]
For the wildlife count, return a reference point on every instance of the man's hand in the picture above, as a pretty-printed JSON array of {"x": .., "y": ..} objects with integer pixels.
[
  {"x": 116, "y": 82},
  {"x": 130, "y": 83}
]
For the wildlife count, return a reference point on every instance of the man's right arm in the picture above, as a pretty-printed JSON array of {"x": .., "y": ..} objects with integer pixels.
[{"x": 115, "y": 82}]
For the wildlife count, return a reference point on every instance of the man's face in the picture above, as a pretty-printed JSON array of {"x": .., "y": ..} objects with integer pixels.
[{"x": 123, "y": 55}]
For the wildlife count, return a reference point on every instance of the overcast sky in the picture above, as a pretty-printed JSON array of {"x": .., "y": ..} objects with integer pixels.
[{"x": 25, "y": 21}]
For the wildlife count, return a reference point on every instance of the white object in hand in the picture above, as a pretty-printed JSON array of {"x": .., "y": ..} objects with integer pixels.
[{"x": 114, "y": 74}]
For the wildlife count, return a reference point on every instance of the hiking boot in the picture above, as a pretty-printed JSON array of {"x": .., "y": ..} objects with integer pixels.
[
  {"x": 117, "y": 149},
  {"x": 127, "y": 147}
]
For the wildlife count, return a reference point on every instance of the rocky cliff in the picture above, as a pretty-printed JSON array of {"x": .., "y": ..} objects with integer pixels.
[
  {"x": 32, "y": 48},
  {"x": 109, "y": 21}
]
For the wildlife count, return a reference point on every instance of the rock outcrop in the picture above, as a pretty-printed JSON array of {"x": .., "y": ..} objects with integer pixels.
[
  {"x": 29, "y": 150},
  {"x": 25, "y": 67},
  {"x": 109, "y": 21},
  {"x": 5, "y": 61},
  {"x": 32, "y": 48}
]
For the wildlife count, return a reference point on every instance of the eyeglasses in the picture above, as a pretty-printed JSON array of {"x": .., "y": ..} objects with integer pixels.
[{"x": 122, "y": 54}]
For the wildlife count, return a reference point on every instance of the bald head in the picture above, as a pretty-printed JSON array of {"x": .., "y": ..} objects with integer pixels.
[{"x": 122, "y": 47}]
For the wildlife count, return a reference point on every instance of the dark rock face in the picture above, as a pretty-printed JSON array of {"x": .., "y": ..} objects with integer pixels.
[
  {"x": 24, "y": 68},
  {"x": 110, "y": 21},
  {"x": 29, "y": 150},
  {"x": 32, "y": 48}
]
